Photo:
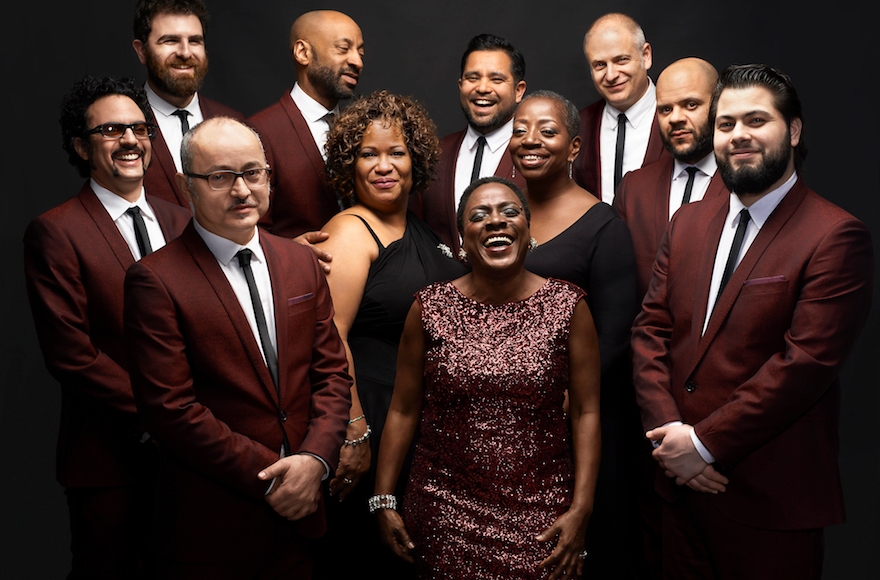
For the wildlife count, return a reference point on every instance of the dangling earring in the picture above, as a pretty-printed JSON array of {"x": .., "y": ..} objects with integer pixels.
[
  {"x": 569, "y": 169},
  {"x": 513, "y": 172},
  {"x": 462, "y": 255},
  {"x": 533, "y": 243}
]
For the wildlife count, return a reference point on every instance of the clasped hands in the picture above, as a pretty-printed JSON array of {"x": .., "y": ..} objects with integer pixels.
[
  {"x": 296, "y": 491},
  {"x": 679, "y": 459}
]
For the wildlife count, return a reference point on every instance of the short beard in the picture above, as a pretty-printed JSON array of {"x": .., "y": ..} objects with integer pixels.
[
  {"x": 160, "y": 76},
  {"x": 329, "y": 82},
  {"x": 494, "y": 122},
  {"x": 749, "y": 180},
  {"x": 702, "y": 145}
]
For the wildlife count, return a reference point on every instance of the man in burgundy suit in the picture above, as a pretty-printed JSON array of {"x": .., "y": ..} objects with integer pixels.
[
  {"x": 328, "y": 50},
  {"x": 490, "y": 88},
  {"x": 647, "y": 197},
  {"x": 169, "y": 39},
  {"x": 756, "y": 300},
  {"x": 619, "y": 132},
  {"x": 238, "y": 372},
  {"x": 75, "y": 258}
]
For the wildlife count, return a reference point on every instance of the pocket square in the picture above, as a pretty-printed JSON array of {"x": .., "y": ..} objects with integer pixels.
[
  {"x": 767, "y": 280},
  {"x": 298, "y": 299}
]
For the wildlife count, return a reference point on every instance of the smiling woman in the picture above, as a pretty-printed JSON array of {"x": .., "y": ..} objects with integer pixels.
[{"x": 380, "y": 150}]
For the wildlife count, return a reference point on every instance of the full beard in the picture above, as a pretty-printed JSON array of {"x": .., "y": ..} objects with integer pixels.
[
  {"x": 755, "y": 179},
  {"x": 160, "y": 74},
  {"x": 702, "y": 146},
  {"x": 329, "y": 82}
]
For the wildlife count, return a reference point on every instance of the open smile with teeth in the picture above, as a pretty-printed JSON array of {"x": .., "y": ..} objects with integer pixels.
[
  {"x": 496, "y": 241},
  {"x": 483, "y": 102},
  {"x": 128, "y": 155}
]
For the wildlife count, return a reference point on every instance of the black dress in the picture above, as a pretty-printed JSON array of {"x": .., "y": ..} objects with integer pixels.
[
  {"x": 352, "y": 546},
  {"x": 596, "y": 253}
]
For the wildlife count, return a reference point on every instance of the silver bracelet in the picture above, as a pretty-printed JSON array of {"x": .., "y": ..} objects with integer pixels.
[
  {"x": 360, "y": 439},
  {"x": 385, "y": 501},
  {"x": 356, "y": 419}
]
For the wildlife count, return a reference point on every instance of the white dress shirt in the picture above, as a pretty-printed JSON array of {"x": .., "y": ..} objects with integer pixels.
[
  {"x": 706, "y": 168},
  {"x": 116, "y": 206},
  {"x": 169, "y": 124},
  {"x": 495, "y": 149},
  {"x": 313, "y": 112},
  {"x": 639, "y": 119}
]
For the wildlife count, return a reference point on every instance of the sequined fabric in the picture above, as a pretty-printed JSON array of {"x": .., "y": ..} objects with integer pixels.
[{"x": 493, "y": 466}]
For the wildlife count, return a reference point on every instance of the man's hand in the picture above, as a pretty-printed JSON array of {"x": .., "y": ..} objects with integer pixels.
[
  {"x": 709, "y": 481},
  {"x": 310, "y": 239},
  {"x": 297, "y": 488},
  {"x": 676, "y": 453}
]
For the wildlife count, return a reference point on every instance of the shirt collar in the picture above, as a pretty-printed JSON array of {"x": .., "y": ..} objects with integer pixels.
[
  {"x": 761, "y": 209},
  {"x": 498, "y": 138},
  {"x": 162, "y": 106},
  {"x": 311, "y": 109},
  {"x": 707, "y": 165},
  {"x": 642, "y": 110},
  {"x": 225, "y": 249},
  {"x": 116, "y": 205}
]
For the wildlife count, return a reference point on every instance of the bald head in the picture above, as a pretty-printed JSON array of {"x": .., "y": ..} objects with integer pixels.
[
  {"x": 684, "y": 96},
  {"x": 619, "y": 59},
  {"x": 328, "y": 50}
]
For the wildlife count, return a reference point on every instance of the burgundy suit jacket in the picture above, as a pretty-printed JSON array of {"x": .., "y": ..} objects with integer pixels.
[
  {"x": 642, "y": 200},
  {"x": 74, "y": 262},
  {"x": 588, "y": 166},
  {"x": 208, "y": 398},
  {"x": 761, "y": 386},
  {"x": 159, "y": 180},
  {"x": 436, "y": 205},
  {"x": 302, "y": 200}
]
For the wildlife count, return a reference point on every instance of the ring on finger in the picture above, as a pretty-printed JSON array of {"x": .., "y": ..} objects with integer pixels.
[{"x": 347, "y": 481}]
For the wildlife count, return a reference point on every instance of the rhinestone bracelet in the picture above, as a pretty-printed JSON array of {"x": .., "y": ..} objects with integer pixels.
[
  {"x": 360, "y": 439},
  {"x": 356, "y": 419},
  {"x": 380, "y": 502}
]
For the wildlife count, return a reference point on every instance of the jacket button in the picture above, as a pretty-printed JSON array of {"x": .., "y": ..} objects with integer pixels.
[
  {"x": 690, "y": 386},
  {"x": 283, "y": 416}
]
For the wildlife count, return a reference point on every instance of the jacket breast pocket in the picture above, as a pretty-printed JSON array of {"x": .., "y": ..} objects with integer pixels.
[
  {"x": 301, "y": 303},
  {"x": 765, "y": 285}
]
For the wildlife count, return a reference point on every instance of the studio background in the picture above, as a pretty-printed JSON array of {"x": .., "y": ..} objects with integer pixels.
[{"x": 415, "y": 48}]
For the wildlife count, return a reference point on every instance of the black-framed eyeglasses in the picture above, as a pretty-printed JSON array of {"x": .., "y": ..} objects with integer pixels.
[
  {"x": 141, "y": 130},
  {"x": 225, "y": 178}
]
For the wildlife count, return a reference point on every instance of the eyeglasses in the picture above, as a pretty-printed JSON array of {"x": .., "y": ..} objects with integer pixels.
[
  {"x": 117, "y": 130},
  {"x": 225, "y": 178}
]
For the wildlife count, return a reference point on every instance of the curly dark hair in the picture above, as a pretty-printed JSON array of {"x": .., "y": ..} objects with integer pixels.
[
  {"x": 75, "y": 106},
  {"x": 146, "y": 10},
  {"x": 344, "y": 139}
]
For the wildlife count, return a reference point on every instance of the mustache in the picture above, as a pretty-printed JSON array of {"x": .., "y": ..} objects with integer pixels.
[
  {"x": 129, "y": 149},
  {"x": 247, "y": 202}
]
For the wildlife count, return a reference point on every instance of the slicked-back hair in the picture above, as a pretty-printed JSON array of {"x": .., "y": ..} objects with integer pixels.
[
  {"x": 492, "y": 42},
  {"x": 75, "y": 106},
  {"x": 466, "y": 195},
  {"x": 785, "y": 97},
  {"x": 146, "y": 10},
  {"x": 344, "y": 139},
  {"x": 571, "y": 118}
]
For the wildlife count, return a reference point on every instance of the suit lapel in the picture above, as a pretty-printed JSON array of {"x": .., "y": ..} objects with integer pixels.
[
  {"x": 162, "y": 155},
  {"x": 105, "y": 225},
  {"x": 306, "y": 140},
  {"x": 716, "y": 187},
  {"x": 661, "y": 207},
  {"x": 709, "y": 247},
  {"x": 449, "y": 201},
  {"x": 278, "y": 275},
  {"x": 207, "y": 263},
  {"x": 771, "y": 229}
]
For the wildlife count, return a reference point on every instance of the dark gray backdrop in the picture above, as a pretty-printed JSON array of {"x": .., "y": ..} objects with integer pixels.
[{"x": 415, "y": 48}]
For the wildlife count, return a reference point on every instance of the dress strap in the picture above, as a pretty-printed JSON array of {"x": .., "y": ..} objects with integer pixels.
[{"x": 369, "y": 229}]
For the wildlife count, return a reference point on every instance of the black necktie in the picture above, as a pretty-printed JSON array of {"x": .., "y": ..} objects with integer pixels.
[
  {"x": 140, "y": 230},
  {"x": 478, "y": 159},
  {"x": 689, "y": 186},
  {"x": 618, "y": 150},
  {"x": 744, "y": 218},
  {"x": 244, "y": 260},
  {"x": 330, "y": 118},
  {"x": 184, "y": 123}
]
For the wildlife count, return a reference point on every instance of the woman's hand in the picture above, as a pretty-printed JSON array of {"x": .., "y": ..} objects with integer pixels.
[
  {"x": 394, "y": 533},
  {"x": 565, "y": 561},
  {"x": 354, "y": 462}
]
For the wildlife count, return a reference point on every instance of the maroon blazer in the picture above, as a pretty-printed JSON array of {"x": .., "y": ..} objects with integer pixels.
[
  {"x": 302, "y": 200},
  {"x": 207, "y": 397},
  {"x": 642, "y": 200},
  {"x": 159, "y": 180},
  {"x": 74, "y": 263},
  {"x": 588, "y": 167},
  {"x": 436, "y": 205},
  {"x": 761, "y": 386}
]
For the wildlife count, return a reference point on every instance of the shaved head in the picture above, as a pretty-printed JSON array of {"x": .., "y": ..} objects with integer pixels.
[{"x": 684, "y": 98}]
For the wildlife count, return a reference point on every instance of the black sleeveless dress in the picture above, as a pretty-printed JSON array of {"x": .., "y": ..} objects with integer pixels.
[{"x": 401, "y": 269}]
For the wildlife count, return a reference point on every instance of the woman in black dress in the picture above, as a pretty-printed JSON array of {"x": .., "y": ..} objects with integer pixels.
[
  {"x": 380, "y": 149},
  {"x": 584, "y": 241}
]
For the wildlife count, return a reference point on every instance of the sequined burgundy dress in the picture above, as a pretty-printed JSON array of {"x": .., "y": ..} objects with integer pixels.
[{"x": 492, "y": 467}]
